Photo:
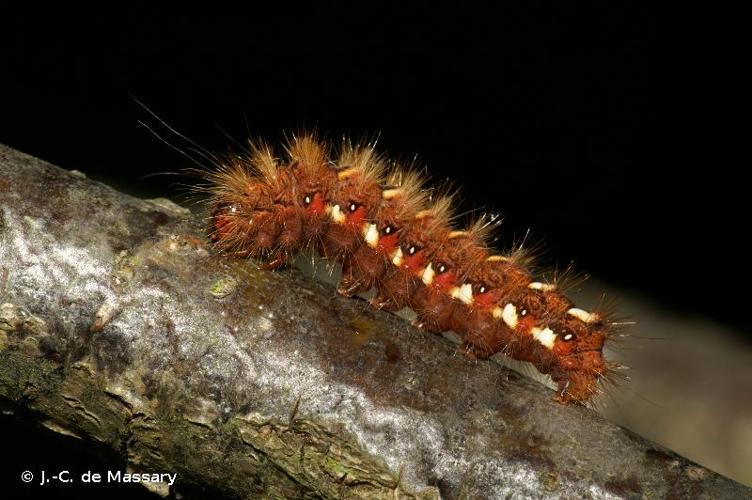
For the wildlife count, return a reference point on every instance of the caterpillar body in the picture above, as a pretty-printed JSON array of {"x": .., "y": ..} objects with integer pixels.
[{"x": 389, "y": 232}]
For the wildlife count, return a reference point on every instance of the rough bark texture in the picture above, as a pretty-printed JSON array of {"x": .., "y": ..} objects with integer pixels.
[{"x": 118, "y": 325}]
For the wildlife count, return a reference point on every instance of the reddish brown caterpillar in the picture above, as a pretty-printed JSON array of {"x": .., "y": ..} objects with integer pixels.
[{"x": 388, "y": 233}]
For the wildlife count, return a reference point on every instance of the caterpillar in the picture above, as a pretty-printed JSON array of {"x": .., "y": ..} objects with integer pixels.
[{"x": 391, "y": 233}]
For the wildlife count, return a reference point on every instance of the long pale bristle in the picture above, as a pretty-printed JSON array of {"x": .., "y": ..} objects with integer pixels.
[
  {"x": 481, "y": 230},
  {"x": 263, "y": 162}
]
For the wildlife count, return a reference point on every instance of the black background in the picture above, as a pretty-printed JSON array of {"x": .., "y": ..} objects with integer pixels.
[
  {"x": 604, "y": 129},
  {"x": 607, "y": 130}
]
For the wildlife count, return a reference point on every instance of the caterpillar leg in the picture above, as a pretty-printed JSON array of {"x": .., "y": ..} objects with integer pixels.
[
  {"x": 276, "y": 263},
  {"x": 291, "y": 235},
  {"x": 426, "y": 326},
  {"x": 385, "y": 303},
  {"x": 475, "y": 351},
  {"x": 394, "y": 290},
  {"x": 354, "y": 280},
  {"x": 434, "y": 310},
  {"x": 348, "y": 288}
]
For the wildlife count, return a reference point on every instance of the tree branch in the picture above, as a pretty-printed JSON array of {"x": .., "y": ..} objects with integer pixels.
[{"x": 119, "y": 326}]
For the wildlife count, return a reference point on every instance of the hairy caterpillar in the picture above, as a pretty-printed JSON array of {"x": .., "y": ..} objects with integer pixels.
[{"x": 390, "y": 233}]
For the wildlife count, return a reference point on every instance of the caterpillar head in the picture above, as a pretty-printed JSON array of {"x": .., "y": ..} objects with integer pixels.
[
  {"x": 566, "y": 340},
  {"x": 578, "y": 348}
]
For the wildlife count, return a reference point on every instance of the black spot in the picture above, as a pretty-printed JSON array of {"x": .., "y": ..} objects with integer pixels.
[
  {"x": 412, "y": 249},
  {"x": 388, "y": 229}
]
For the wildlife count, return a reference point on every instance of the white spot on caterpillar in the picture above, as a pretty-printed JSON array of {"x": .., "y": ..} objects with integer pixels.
[
  {"x": 543, "y": 287},
  {"x": 337, "y": 215},
  {"x": 344, "y": 174},
  {"x": 463, "y": 293},
  {"x": 545, "y": 336},
  {"x": 568, "y": 336},
  {"x": 498, "y": 258},
  {"x": 397, "y": 257},
  {"x": 509, "y": 315},
  {"x": 583, "y": 315},
  {"x": 371, "y": 234},
  {"x": 497, "y": 312},
  {"x": 388, "y": 194},
  {"x": 428, "y": 275}
]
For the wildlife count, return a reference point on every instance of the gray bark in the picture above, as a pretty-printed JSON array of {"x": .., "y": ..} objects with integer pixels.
[{"x": 120, "y": 326}]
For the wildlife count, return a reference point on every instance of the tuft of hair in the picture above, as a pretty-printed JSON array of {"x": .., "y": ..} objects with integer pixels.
[
  {"x": 361, "y": 164},
  {"x": 229, "y": 180},
  {"x": 481, "y": 230},
  {"x": 608, "y": 309},
  {"x": 408, "y": 188},
  {"x": 231, "y": 176},
  {"x": 476, "y": 237},
  {"x": 566, "y": 280},
  {"x": 526, "y": 255},
  {"x": 440, "y": 214},
  {"x": 614, "y": 374},
  {"x": 308, "y": 150}
]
